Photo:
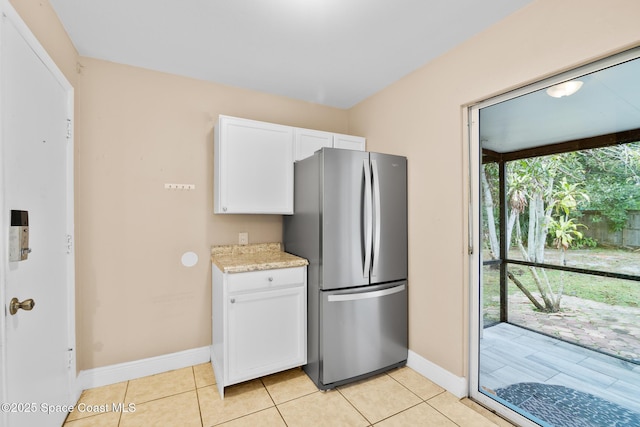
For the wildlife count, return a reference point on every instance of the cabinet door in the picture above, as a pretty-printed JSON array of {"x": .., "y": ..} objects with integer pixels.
[
  {"x": 267, "y": 332},
  {"x": 349, "y": 142},
  {"x": 308, "y": 141},
  {"x": 253, "y": 167}
]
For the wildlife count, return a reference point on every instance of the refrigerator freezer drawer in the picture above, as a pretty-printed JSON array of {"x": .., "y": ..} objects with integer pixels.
[{"x": 362, "y": 331}]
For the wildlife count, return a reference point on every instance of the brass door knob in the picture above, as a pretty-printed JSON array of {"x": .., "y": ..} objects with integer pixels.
[{"x": 16, "y": 305}]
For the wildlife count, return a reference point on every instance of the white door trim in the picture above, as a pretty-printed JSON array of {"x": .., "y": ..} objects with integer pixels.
[
  {"x": 6, "y": 10},
  {"x": 475, "y": 262}
]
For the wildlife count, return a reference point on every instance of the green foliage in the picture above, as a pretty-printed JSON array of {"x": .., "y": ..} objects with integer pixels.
[
  {"x": 545, "y": 197},
  {"x": 612, "y": 179},
  {"x": 599, "y": 289},
  {"x": 584, "y": 242},
  {"x": 606, "y": 290},
  {"x": 606, "y": 180},
  {"x": 564, "y": 229},
  {"x": 567, "y": 197}
]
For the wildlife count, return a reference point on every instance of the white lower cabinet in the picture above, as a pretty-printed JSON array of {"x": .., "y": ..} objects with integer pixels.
[{"x": 259, "y": 323}]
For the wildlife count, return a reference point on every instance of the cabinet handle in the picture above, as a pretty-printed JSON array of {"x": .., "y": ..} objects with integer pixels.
[
  {"x": 233, "y": 300},
  {"x": 270, "y": 279},
  {"x": 224, "y": 209}
]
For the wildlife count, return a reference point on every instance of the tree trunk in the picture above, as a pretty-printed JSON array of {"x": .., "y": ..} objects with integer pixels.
[
  {"x": 513, "y": 217},
  {"x": 556, "y": 305},
  {"x": 525, "y": 291},
  {"x": 541, "y": 229},
  {"x": 550, "y": 302},
  {"x": 536, "y": 279},
  {"x": 491, "y": 222},
  {"x": 535, "y": 222}
]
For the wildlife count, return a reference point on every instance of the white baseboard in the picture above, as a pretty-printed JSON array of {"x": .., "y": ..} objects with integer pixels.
[
  {"x": 112, "y": 374},
  {"x": 453, "y": 384}
]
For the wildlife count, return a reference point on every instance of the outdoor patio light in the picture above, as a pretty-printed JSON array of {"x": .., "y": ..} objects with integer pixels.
[{"x": 564, "y": 89}]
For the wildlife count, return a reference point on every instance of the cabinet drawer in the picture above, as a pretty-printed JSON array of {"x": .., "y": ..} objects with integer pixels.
[{"x": 265, "y": 279}]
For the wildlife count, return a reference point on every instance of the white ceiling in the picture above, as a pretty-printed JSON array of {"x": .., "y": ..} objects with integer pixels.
[
  {"x": 608, "y": 102},
  {"x": 331, "y": 52}
]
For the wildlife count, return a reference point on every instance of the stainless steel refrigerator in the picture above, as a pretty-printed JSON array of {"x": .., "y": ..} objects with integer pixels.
[{"x": 350, "y": 222}]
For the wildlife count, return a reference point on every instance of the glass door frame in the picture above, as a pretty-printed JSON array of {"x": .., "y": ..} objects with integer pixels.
[{"x": 474, "y": 222}]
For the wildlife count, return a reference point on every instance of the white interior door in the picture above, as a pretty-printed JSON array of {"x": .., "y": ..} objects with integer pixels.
[{"x": 36, "y": 103}]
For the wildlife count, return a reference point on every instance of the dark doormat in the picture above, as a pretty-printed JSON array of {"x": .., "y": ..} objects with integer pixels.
[{"x": 565, "y": 407}]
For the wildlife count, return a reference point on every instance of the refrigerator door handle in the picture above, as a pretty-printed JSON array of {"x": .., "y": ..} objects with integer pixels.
[
  {"x": 368, "y": 218},
  {"x": 376, "y": 203},
  {"x": 365, "y": 295}
]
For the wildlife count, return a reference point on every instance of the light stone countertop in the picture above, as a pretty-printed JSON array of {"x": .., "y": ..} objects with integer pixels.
[{"x": 260, "y": 256}]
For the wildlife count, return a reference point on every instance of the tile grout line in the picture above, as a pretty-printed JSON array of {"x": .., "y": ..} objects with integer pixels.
[
  {"x": 248, "y": 413},
  {"x": 124, "y": 399},
  {"x": 197, "y": 390},
  {"x": 392, "y": 415},
  {"x": 422, "y": 401},
  {"x": 199, "y": 407},
  {"x": 442, "y": 413},
  {"x": 194, "y": 389},
  {"x": 492, "y": 411},
  {"x": 411, "y": 391},
  {"x": 165, "y": 397},
  {"x": 353, "y": 406},
  {"x": 274, "y": 402},
  {"x": 195, "y": 385},
  {"x": 281, "y": 416},
  {"x": 404, "y": 410},
  {"x": 299, "y": 397}
]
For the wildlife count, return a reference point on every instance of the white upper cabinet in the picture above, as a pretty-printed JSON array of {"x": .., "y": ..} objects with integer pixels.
[
  {"x": 253, "y": 167},
  {"x": 253, "y": 163},
  {"x": 349, "y": 142},
  {"x": 308, "y": 141}
]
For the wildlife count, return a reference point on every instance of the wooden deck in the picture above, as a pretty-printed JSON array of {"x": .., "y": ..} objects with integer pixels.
[{"x": 509, "y": 355}]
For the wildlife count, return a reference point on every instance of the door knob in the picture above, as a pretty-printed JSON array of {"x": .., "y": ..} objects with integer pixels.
[{"x": 16, "y": 305}]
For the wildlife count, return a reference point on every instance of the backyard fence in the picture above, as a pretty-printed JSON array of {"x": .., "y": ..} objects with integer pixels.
[{"x": 629, "y": 236}]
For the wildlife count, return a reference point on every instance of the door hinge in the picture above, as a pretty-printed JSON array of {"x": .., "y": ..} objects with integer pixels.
[
  {"x": 68, "y": 128},
  {"x": 70, "y": 358},
  {"x": 69, "y": 243}
]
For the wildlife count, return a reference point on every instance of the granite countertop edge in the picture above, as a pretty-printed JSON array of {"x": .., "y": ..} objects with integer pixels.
[{"x": 253, "y": 257}]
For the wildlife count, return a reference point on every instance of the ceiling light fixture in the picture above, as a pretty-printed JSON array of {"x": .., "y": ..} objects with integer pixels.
[{"x": 564, "y": 89}]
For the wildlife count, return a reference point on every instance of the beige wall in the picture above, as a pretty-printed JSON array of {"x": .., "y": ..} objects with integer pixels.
[
  {"x": 138, "y": 129},
  {"x": 421, "y": 116},
  {"x": 45, "y": 25}
]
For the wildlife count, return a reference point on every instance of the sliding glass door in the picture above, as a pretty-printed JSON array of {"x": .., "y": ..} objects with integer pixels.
[{"x": 555, "y": 203}]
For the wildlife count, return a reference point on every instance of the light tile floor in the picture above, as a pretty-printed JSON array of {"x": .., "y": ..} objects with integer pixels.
[{"x": 188, "y": 397}]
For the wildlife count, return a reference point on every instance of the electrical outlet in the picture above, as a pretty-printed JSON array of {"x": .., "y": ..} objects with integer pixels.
[{"x": 243, "y": 238}]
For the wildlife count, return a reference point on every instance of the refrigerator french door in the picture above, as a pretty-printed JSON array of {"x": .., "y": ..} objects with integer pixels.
[{"x": 350, "y": 222}]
